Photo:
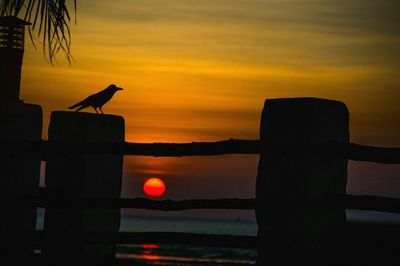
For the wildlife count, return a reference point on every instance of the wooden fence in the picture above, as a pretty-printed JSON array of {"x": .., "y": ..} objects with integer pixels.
[
  {"x": 60, "y": 203},
  {"x": 351, "y": 151}
]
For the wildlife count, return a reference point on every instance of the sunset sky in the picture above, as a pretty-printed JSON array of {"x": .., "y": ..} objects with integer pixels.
[{"x": 200, "y": 70}]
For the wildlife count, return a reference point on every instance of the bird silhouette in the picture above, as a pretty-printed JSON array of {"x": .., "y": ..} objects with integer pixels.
[{"x": 97, "y": 100}]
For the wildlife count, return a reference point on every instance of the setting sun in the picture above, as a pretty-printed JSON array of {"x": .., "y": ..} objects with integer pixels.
[{"x": 154, "y": 187}]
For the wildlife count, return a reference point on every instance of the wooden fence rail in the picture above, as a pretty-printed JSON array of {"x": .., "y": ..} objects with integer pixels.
[
  {"x": 352, "y": 151},
  {"x": 229, "y": 241},
  {"x": 358, "y": 152},
  {"x": 234, "y": 241},
  {"x": 231, "y": 146},
  {"x": 136, "y": 203},
  {"x": 364, "y": 202},
  {"x": 354, "y": 202}
]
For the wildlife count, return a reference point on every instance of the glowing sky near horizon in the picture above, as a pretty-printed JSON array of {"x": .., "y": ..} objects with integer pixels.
[{"x": 200, "y": 70}]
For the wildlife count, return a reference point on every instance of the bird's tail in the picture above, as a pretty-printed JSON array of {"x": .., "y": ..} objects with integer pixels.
[{"x": 74, "y": 106}]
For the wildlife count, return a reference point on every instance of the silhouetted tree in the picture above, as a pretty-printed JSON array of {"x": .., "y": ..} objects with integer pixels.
[{"x": 50, "y": 23}]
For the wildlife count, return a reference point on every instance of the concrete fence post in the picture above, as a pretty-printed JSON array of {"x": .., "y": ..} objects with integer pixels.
[
  {"x": 19, "y": 178},
  {"x": 294, "y": 226},
  {"x": 86, "y": 176}
]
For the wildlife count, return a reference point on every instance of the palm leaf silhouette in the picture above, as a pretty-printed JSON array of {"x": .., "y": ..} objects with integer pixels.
[{"x": 50, "y": 23}]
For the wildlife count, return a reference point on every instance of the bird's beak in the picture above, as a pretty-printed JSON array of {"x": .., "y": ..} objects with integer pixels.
[{"x": 120, "y": 89}]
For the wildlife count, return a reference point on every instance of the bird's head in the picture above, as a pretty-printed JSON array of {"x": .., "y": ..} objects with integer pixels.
[{"x": 115, "y": 88}]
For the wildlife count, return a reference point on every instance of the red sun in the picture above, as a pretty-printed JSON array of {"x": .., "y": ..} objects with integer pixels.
[{"x": 154, "y": 187}]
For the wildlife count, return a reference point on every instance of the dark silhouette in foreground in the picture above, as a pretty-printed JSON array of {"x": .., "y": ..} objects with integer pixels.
[{"x": 97, "y": 100}]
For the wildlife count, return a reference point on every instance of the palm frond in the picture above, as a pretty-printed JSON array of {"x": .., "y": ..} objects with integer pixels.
[{"x": 50, "y": 23}]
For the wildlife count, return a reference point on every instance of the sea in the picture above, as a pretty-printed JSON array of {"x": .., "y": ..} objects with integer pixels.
[
  {"x": 155, "y": 254},
  {"x": 187, "y": 255}
]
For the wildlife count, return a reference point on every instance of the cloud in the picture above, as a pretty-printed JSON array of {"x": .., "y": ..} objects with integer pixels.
[
  {"x": 339, "y": 14},
  {"x": 254, "y": 34}
]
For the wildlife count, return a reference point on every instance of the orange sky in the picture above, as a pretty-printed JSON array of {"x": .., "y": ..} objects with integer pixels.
[{"x": 199, "y": 70}]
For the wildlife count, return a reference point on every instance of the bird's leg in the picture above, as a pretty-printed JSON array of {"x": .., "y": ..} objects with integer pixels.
[
  {"x": 101, "y": 110},
  {"x": 95, "y": 108}
]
